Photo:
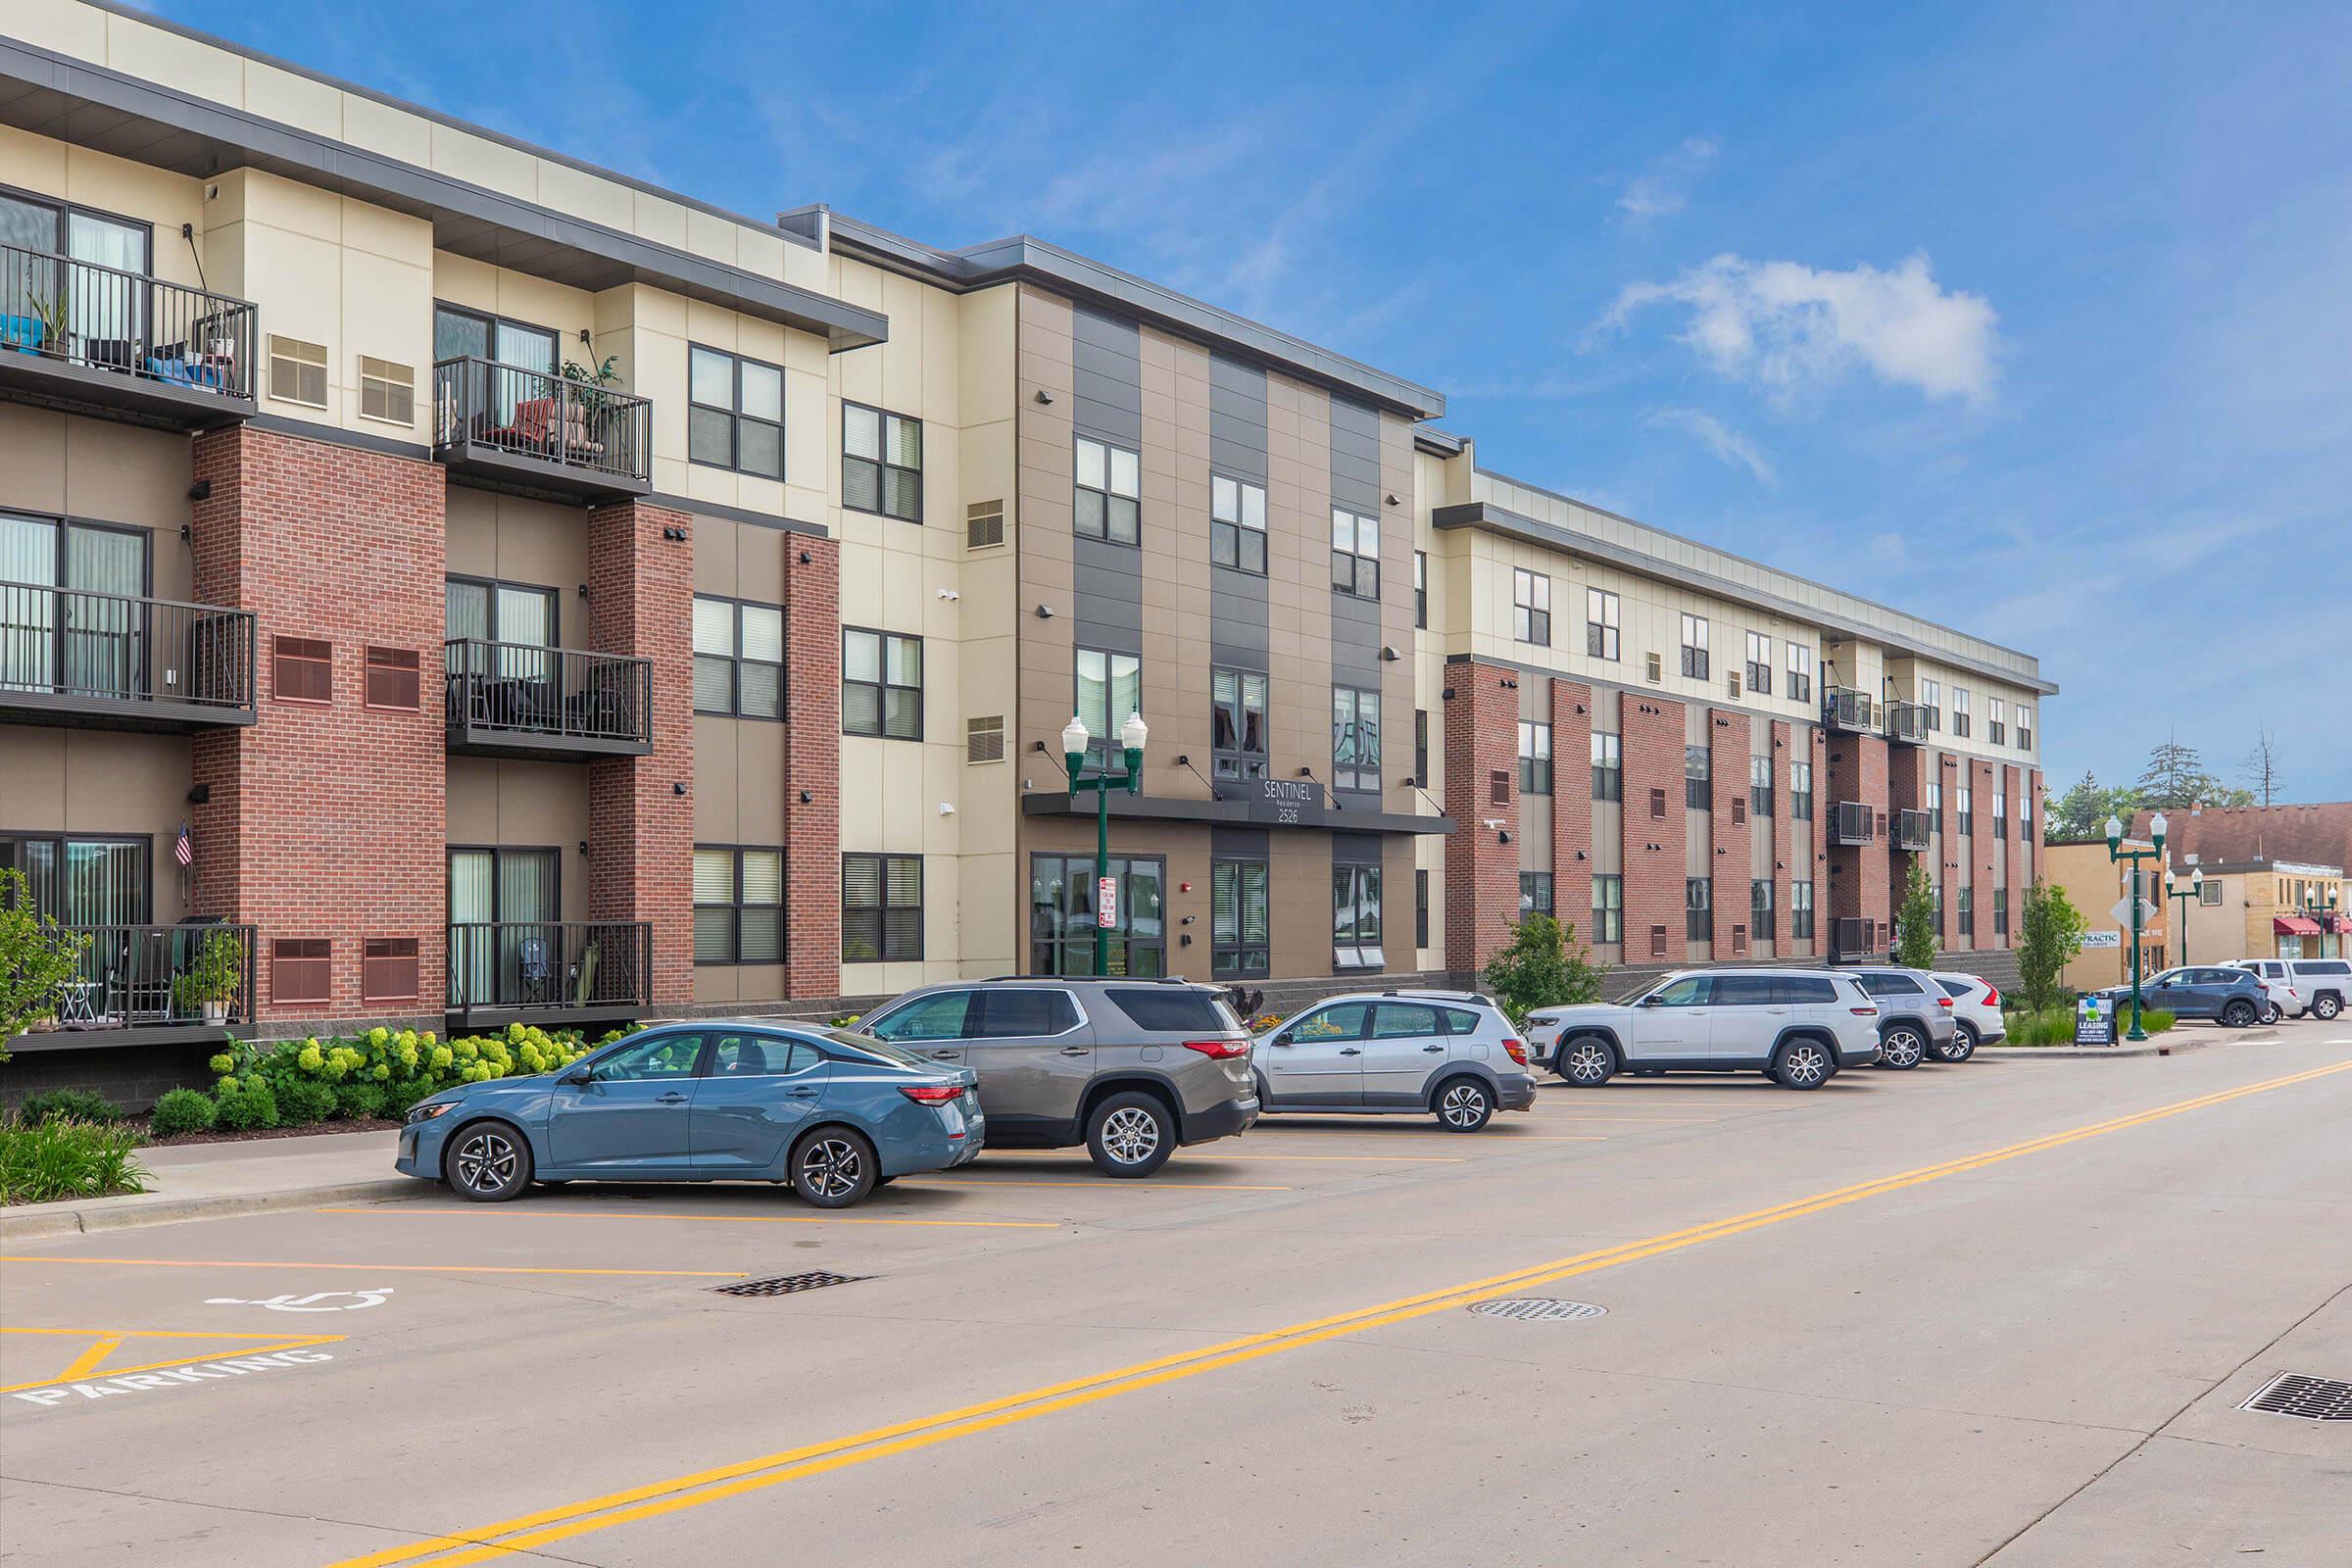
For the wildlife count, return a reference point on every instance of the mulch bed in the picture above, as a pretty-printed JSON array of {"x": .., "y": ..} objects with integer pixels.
[{"x": 371, "y": 1124}]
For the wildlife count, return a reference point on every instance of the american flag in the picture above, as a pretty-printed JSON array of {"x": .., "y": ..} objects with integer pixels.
[{"x": 182, "y": 851}]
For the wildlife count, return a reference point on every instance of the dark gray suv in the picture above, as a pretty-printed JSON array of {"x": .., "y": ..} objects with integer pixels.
[{"x": 1130, "y": 1068}]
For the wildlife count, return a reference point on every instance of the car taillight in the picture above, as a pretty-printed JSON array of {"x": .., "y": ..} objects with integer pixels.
[
  {"x": 1219, "y": 1049},
  {"x": 1864, "y": 1012},
  {"x": 1515, "y": 1050},
  {"x": 931, "y": 1093},
  {"x": 1945, "y": 1002},
  {"x": 1993, "y": 995}
]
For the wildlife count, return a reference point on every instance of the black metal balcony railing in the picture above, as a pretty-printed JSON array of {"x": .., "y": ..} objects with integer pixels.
[
  {"x": 525, "y": 966},
  {"x": 1850, "y": 941},
  {"x": 79, "y": 314},
  {"x": 1907, "y": 722},
  {"x": 135, "y": 977},
  {"x": 598, "y": 438},
  {"x": 1846, "y": 709},
  {"x": 65, "y": 652},
  {"x": 1851, "y": 825},
  {"x": 1912, "y": 829},
  {"x": 524, "y": 697}
]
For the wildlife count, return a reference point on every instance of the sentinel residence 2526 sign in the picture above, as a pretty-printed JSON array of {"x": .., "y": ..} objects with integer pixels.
[{"x": 1287, "y": 802}]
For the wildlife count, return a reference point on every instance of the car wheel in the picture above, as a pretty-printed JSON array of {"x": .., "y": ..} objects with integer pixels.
[
  {"x": 1586, "y": 1062},
  {"x": 1963, "y": 1045},
  {"x": 1131, "y": 1133},
  {"x": 1463, "y": 1104},
  {"x": 2238, "y": 1014},
  {"x": 1803, "y": 1064},
  {"x": 1902, "y": 1048},
  {"x": 2325, "y": 1008},
  {"x": 833, "y": 1167},
  {"x": 2273, "y": 1012},
  {"x": 488, "y": 1162}
]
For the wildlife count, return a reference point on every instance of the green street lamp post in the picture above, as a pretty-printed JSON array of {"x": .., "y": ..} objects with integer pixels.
[
  {"x": 2117, "y": 855},
  {"x": 1105, "y": 779},
  {"x": 2196, "y": 887}
]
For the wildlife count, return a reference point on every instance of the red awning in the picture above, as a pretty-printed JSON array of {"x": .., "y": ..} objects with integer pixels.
[
  {"x": 2338, "y": 924},
  {"x": 2296, "y": 925}
]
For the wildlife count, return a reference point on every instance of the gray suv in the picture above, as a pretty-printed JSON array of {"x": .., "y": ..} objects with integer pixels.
[
  {"x": 1130, "y": 1068},
  {"x": 1915, "y": 1017}
]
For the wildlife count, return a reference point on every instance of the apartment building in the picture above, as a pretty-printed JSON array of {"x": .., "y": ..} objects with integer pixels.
[{"x": 491, "y": 588}]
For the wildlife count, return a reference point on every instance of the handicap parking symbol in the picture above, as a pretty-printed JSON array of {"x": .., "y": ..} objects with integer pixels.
[{"x": 315, "y": 1301}]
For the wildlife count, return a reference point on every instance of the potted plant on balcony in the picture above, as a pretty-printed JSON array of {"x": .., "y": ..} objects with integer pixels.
[
  {"x": 592, "y": 388},
  {"x": 210, "y": 982}
]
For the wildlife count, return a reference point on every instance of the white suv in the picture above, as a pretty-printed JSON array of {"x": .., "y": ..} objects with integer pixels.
[
  {"x": 2319, "y": 987},
  {"x": 1799, "y": 1026},
  {"x": 1449, "y": 1054}
]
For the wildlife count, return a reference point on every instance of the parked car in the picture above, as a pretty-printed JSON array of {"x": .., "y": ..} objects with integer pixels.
[
  {"x": 1799, "y": 1026},
  {"x": 2284, "y": 1000},
  {"x": 835, "y": 1114},
  {"x": 1977, "y": 1018},
  {"x": 1915, "y": 1017},
  {"x": 2320, "y": 986},
  {"x": 1451, "y": 1055},
  {"x": 1130, "y": 1068},
  {"x": 2233, "y": 997}
]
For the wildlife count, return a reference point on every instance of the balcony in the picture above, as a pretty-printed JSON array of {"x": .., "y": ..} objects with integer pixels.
[
  {"x": 98, "y": 340},
  {"x": 1913, "y": 830},
  {"x": 1844, "y": 707},
  {"x": 505, "y": 427},
  {"x": 118, "y": 662},
  {"x": 129, "y": 990},
  {"x": 1907, "y": 722},
  {"x": 549, "y": 972},
  {"x": 553, "y": 704},
  {"x": 1851, "y": 825},
  {"x": 1850, "y": 942}
]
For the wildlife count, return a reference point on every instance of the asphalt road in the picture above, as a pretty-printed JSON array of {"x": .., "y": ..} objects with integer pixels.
[{"x": 2002, "y": 1313}]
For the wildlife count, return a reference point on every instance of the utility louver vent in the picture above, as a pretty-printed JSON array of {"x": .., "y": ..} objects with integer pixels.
[
  {"x": 387, "y": 391},
  {"x": 2307, "y": 1398},
  {"x": 984, "y": 739},
  {"x": 298, "y": 370},
  {"x": 789, "y": 1284},
  {"x": 983, "y": 524}
]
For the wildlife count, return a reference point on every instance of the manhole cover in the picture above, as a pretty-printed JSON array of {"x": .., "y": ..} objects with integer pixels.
[
  {"x": 1537, "y": 1309},
  {"x": 788, "y": 1284},
  {"x": 2307, "y": 1397}
]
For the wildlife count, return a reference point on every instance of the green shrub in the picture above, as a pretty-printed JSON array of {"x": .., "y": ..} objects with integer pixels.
[
  {"x": 2051, "y": 1027},
  {"x": 72, "y": 1105},
  {"x": 2155, "y": 1021},
  {"x": 245, "y": 1105},
  {"x": 60, "y": 1157},
  {"x": 361, "y": 1102},
  {"x": 182, "y": 1110},
  {"x": 303, "y": 1100}
]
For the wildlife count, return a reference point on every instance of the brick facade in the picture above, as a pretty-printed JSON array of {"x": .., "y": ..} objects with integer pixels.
[
  {"x": 1788, "y": 843},
  {"x": 1984, "y": 850},
  {"x": 1907, "y": 774},
  {"x": 2021, "y": 855},
  {"x": 1482, "y": 762},
  {"x": 1651, "y": 732},
  {"x": 1731, "y": 745},
  {"x": 1858, "y": 876},
  {"x": 812, "y": 765},
  {"x": 1947, "y": 849},
  {"x": 1571, "y": 804}
]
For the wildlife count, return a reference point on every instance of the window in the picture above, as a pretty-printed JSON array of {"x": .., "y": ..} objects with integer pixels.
[
  {"x": 1759, "y": 909},
  {"x": 1996, "y": 722},
  {"x": 1420, "y": 908},
  {"x": 1240, "y": 919},
  {"x": 1608, "y": 769},
  {"x": 1965, "y": 911},
  {"x": 881, "y": 684},
  {"x": 1935, "y": 803},
  {"x": 1800, "y": 792},
  {"x": 1534, "y": 893},
  {"x": 392, "y": 678},
  {"x": 671, "y": 1055},
  {"x": 1968, "y": 814},
  {"x": 1499, "y": 788},
  {"x": 1608, "y": 909},
  {"x": 1110, "y": 483},
  {"x": 1166, "y": 1009},
  {"x": 1739, "y": 810},
  {"x": 88, "y": 645},
  {"x": 1800, "y": 672},
  {"x": 298, "y": 375},
  {"x": 1354, "y": 553},
  {"x": 734, "y": 412},
  {"x": 1062, "y": 913},
  {"x": 503, "y": 947},
  {"x": 82, "y": 881},
  {"x": 2210, "y": 894},
  {"x": 1657, "y": 805},
  {"x": 1759, "y": 786},
  {"x": 1930, "y": 698},
  {"x": 1601, "y": 624},
  {"x": 1698, "y": 909},
  {"x": 303, "y": 669},
  {"x": 1420, "y": 590},
  {"x": 520, "y": 614},
  {"x": 1237, "y": 705},
  {"x": 1111, "y": 687},
  {"x": 1760, "y": 669},
  {"x": 881, "y": 908},
  {"x": 1421, "y": 747},
  {"x": 1695, "y": 647},
  {"x": 1535, "y": 759},
  {"x": 1698, "y": 776},
  {"x": 738, "y": 658},
  {"x": 881, "y": 462},
  {"x": 387, "y": 969},
  {"x": 1237, "y": 524},
  {"x": 387, "y": 391},
  {"x": 738, "y": 905},
  {"x": 2025, "y": 728},
  {"x": 1531, "y": 607},
  {"x": 1800, "y": 910},
  {"x": 2000, "y": 911},
  {"x": 302, "y": 969},
  {"x": 1354, "y": 738},
  {"x": 1355, "y": 917},
  {"x": 523, "y": 354},
  {"x": 2000, "y": 815},
  {"x": 1960, "y": 712}
]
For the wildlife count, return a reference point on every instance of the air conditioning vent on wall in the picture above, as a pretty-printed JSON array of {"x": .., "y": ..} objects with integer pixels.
[
  {"x": 1656, "y": 668},
  {"x": 984, "y": 525},
  {"x": 387, "y": 391},
  {"x": 298, "y": 370},
  {"x": 984, "y": 739}
]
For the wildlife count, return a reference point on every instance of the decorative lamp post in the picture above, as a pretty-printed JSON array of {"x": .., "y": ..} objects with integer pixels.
[
  {"x": 2117, "y": 855},
  {"x": 2196, "y": 887},
  {"x": 1074, "y": 739}
]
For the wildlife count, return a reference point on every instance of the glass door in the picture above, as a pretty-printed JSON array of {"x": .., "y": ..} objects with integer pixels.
[
  {"x": 104, "y": 624},
  {"x": 29, "y": 568},
  {"x": 107, "y": 292},
  {"x": 30, "y": 294},
  {"x": 507, "y": 948}
]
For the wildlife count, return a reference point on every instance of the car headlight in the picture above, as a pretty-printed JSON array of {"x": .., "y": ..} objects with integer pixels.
[{"x": 427, "y": 1112}]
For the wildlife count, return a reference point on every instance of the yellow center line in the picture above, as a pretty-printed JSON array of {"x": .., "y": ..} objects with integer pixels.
[
  {"x": 535, "y": 1211},
  {"x": 531, "y": 1531},
  {"x": 380, "y": 1268}
]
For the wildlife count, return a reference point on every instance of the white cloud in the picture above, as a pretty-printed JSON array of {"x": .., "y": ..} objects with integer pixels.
[
  {"x": 1730, "y": 447},
  {"x": 1789, "y": 326},
  {"x": 1659, "y": 191}
]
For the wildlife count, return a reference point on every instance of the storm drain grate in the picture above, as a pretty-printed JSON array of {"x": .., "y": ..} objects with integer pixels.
[
  {"x": 1539, "y": 1309},
  {"x": 2307, "y": 1398},
  {"x": 789, "y": 1284}
]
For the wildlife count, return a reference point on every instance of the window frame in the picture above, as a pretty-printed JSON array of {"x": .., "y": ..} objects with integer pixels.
[
  {"x": 1759, "y": 787},
  {"x": 1698, "y": 646},
  {"x": 1761, "y": 922},
  {"x": 1698, "y": 909},
  {"x": 1063, "y": 944},
  {"x": 1800, "y": 911},
  {"x": 1106, "y": 492},
  {"x": 1102, "y": 741},
  {"x": 1698, "y": 786},
  {"x": 736, "y": 659},
  {"x": 1800, "y": 801},
  {"x": 1608, "y": 766},
  {"x": 883, "y": 862},
  {"x": 1996, "y": 722},
  {"x": 1800, "y": 672},
  {"x": 882, "y": 465},
  {"x": 736, "y": 416},
  {"x": 1356, "y": 771},
  {"x": 1604, "y": 638},
  {"x": 738, "y": 904},
  {"x": 1421, "y": 591},
  {"x": 1240, "y": 763},
  {"x": 281, "y": 656},
  {"x": 1531, "y": 607},
  {"x": 1538, "y": 892},
  {"x": 883, "y": 688},
  {"x": 1228, "y": 958},
  {"x": 1350, "y": 879},
  {"x": 1535, "y": 756},
  {"x": 1960, "y": 714},
  {"x": 1759, "y": 663},
  {"x": 386, "y": 658},
  {"x": 1238, "y": 528},
  {"x": 1358, "y": 564},
  {"x": 1608, "y": 908}
]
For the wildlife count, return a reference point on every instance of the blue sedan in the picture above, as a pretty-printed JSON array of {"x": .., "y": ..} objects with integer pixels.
[{"x": 835, "y": 1114}]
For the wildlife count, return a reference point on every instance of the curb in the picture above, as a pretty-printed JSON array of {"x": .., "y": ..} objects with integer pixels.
[
  {"x": 89, "y": 1219},
  {"x": 2153, "y": 1048}
]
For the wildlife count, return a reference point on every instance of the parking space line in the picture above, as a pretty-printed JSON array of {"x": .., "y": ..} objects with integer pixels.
[
  {"x": 1104, "y": 1184},
  {"x": 88, "y": 1359},
  {"x": 535, "y": 1211},
  {"x": 531, "y": 1531},
  {"x": 1344, "y": 1159},
  {"x": 107, "y": 1340},
  {"x": 378, "y": 1268},
  {"x": 1501, "y": 1136}
]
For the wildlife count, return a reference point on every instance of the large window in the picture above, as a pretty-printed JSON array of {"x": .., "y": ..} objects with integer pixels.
[
  {"x": 77, "y": 880},
  {"x": 521, "y": 365},
  {"x": 81, "y": 640},
  {"x": 1062, "y": 912},
  {"x": 1930, "y": 698},
  {"x": 1534, "y": 893},
  {"x": 881, "y": 462},
  {"x": 738, "y": 658},
  {"x": 1237, "y": 524},
  {"x": 1355, "y": 917},
  {"x": 100, "y": 316},
  {"x": 881, "y": 684},
  {"x": 1111, "y": 687},
  {"x": 2000, "y": 815},
  {"x": 738, "y": 904},
  {"x": 2000, "y": 911},
  {"x": 1608, "y": 767},
  {"x": 1759, "y": 909},
  {"x": 1695, "y": 647},
  {"x": 1354, "y": 738},
  {"x": 1698, "y": 909},
  {"x": 1800, "y": 792},
  {"x": 1698, "y": 775},
  {"x": 1109, "y": 491},
  {"x": 1967, "y": 807},
  {"x": 1240, "y": 919},
  {"x": 1996, "y": 722},
  {"x": 1354, "y": 553},
  {"x": 1420, "y": 910},
  {"x": 502, "y": 903},
  {"x": 1800, "y": 910},
  {"x": 1800, "y": 672},
  {"x": 1960, "y": 712},
  {"x": 2025, "y": 728},
  {"x": 1759, "y": 786},
  {"x": 1759, "y": 666},
  {"x": 881, "y": 908},
  {"x": 734, "y": 412},
  {"x": 1608, "y": 909},
  {"x": 1531, "y": 607},
  {"x": 1236, "y": 704},
  {"x": 1535, "y": 759},
  {"x": 1420, "y": 748},
  {"x": 1600, "y": 623}
]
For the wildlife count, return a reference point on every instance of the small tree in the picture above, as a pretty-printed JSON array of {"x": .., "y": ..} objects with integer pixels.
[
  {"x": 2048, "y": 938},
  {"x": 36, "y": 959},
  {"x": 1542, "y": 966},
  {"x": 1915, "y": 937}
]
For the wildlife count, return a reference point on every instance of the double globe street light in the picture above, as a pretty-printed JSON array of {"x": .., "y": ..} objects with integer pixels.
[
  {"x": 2117, "y": 854},
  {"x": 1105, "y": 779},
  {"x": 2196, "y": 887}
]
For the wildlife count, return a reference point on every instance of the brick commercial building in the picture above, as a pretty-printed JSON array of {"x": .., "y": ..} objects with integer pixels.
[{"x": 526, "y": 593}]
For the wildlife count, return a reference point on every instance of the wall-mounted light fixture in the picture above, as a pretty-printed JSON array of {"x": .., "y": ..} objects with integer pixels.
[
  {"x": 807, "y": 798},
  {"x": 1387, "y": 655},
  {"x": 1045, "y": 612},
  {"x": 805, "y": 558},
  {"x": 678, "y": 788},
  {"x": 583, "y": 847},
  {"x": 1043, "y": 396}
]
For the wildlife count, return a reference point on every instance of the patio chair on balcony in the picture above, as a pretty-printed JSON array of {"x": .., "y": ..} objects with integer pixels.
[{"x": 535, "y": 972}]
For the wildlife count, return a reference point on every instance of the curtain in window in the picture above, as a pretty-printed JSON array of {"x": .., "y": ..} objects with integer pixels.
[
  {"x": 532, "y": 352},
  {"x": 106, "y": 883},
  {"x": 471, "y": 903},
  {"x": 714, "y": 905},
  {"x": 466, "y": 611},
  {"x": 105, "y": 637},
  {"x": 28, "y": 609},
  {"x": 761, "y": 937},
  {"x": 108, "y": 309}
]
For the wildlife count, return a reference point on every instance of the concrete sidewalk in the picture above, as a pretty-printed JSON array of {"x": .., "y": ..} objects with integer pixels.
[
  {"x": 210, "y": 1181},
  {"x": 2170, "y": 1042}
]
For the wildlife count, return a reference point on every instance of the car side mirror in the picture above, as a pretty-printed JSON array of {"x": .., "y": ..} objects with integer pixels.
[
  {"x": 579, "y": 1077},
  {"x": 1283, "y": 1038},
  {"x": 1652, "y": 1001}
]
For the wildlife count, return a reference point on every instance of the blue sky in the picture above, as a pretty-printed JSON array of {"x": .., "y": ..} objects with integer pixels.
[{"x": 2035, "y": 317}]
